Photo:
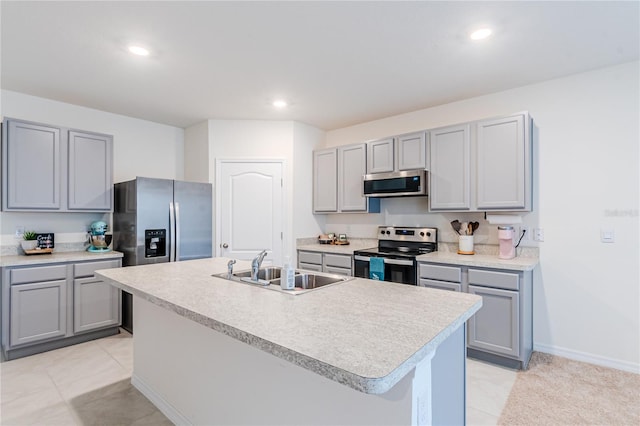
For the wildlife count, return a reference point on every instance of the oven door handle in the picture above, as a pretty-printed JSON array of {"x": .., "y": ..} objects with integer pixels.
[
  {"x": 398, "y": 262},
  {"x": 386, "y": 260}
]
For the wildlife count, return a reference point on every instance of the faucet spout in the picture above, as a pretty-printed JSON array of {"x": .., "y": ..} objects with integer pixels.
[
  {"x": 255, "y": 264},
  {"x": 230, "y": 267}
]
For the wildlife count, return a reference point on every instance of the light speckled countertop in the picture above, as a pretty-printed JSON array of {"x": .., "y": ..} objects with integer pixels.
[
  {"x": 364, "y": 334},
  {"x": 65, "y": 256},
  {"x": 519, "y": 263}
]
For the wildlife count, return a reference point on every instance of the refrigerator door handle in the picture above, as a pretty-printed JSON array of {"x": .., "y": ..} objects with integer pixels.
[
  {"x": 177, "y": 239},
  {"x": 172, "y": 236}
]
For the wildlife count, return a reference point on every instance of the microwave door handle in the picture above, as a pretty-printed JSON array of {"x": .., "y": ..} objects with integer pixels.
[{"x": 399, "y": 262}]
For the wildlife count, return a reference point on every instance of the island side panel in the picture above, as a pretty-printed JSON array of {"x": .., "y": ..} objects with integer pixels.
[{"x": 197, "y": 375}]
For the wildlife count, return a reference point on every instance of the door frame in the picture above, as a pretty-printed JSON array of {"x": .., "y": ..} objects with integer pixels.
[{"x": 283, "y": 207}]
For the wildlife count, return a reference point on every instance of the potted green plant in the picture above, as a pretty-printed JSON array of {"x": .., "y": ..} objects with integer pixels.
[{"x": 29, "y": 240}]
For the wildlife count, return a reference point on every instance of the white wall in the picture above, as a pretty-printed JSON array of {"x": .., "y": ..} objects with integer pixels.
[
  {"x": 586, "y": 293},
  {"x": 141, "y": 148},
  {"x": 196, "y": 152}
]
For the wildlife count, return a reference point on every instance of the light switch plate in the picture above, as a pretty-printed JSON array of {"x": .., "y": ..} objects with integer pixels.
[{"x": 607, "y": 236}]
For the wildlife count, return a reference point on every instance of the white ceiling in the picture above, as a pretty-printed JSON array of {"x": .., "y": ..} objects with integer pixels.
[{"x": 338, "y": 63}]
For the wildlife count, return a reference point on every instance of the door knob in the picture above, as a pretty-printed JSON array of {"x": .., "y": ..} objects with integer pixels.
[{"x": 224, "y": 245}]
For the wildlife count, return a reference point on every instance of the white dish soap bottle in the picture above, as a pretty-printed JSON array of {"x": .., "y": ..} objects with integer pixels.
[{"x": 287, "y": 280}]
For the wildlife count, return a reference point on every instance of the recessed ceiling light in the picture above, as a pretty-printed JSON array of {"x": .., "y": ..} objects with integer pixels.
[
  {"x": 480, "y": 34},
  {"x": 138, "y": 50},
  {"x": 279, "y": 103}
]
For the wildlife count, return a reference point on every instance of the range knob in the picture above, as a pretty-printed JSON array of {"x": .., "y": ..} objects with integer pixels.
[
  {"x": 428, "y": 234},
  {"x": 382, "y": 232},
  {"x": 388, "y": 233},
  {"x": 421, "y": 234}
]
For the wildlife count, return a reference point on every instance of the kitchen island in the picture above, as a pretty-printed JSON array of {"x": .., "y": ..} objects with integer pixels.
[{"x": 213, "y": 351}]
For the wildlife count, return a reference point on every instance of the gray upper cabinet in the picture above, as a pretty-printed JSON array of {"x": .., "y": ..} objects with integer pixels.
[
  {"x": 380, "y": 156},
  {"x": 503, "y": 164},
  {"x": 32, "y": 167},
  {"x": 482, "y": 166},
  {"x": 352, "y": 165},
  {"x": 49, "y": 168},
  {"x": 337, "y": 181},
  {"x": 90, "y": 171},
  {"x": 450, "y": 171},
  {"x": 325, "y": 181},
  {"x": 412, "y": 151}
]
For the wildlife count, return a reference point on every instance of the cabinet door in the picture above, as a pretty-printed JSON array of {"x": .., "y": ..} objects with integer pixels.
[
  {"x": 495, "y": 327},
  {"x": 96, "y": 304},
  {"x": 352, "y": 165},
  {"x": 502, "y": 164},
  {"x": 450, "y": 179},
  {"x": 32, "y": 166},
  {"x": 325, "y": 182},
  {"x": 90, "y": 171},
  {"x": 38, "y": 311},
  {"x": 380, "y": 156},
  {"x": 412, "y": 151}
]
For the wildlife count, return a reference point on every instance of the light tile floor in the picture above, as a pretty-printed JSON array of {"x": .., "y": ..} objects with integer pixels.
[{"x": 89, "y": 384}]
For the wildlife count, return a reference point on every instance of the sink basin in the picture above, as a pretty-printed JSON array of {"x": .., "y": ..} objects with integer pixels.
[
  {"x": 269, "y": 277},
  {"x": 268, "y": 274}
]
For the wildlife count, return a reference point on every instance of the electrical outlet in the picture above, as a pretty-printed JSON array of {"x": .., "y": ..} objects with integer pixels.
[
  {"x": 19, "y": 232},
  {"x": 538, "y": 234}
]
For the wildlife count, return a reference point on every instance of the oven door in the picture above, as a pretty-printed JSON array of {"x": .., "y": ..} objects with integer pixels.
[{"x": 395, "y": 270}]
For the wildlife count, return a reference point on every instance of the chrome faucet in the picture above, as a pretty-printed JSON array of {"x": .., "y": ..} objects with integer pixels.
[
  {"x": 255, "y": 264},
  {"x": 230, "y": 267}
]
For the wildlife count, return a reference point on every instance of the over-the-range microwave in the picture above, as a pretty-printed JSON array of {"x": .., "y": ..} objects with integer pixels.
[{"x": 396, "y": 184}]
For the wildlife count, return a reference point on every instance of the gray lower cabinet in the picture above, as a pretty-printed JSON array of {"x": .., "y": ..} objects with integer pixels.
[
  {"x": 52, "y": 168},
  {"x": 495, "y": 326},
  {"x": 502, "y": 330},
  {"x": 96, "y": 304},
  {"x": 38, "y": 311},
  {"x": 51, "y": 306},
  {"x": 340, "y": 264}
]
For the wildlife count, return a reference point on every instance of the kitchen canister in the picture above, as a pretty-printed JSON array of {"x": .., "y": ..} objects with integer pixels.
[
  {"x": 465, "y": 244},
  {"x": 505, "y": 238}
]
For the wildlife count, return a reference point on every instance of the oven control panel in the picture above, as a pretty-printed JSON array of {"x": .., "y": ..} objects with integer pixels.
[{"x": 395, "y": 233}]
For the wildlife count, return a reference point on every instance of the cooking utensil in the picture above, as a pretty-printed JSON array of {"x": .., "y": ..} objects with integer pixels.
[
  {"x": 456, "y": 226},
  {"x": 470, "y": 228},
  {"x": 463, "y": 228},
  {"x": 475, "y": 226}
]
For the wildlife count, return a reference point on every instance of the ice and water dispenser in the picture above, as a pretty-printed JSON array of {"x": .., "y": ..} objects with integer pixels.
[{"x": 155, "y": 242}]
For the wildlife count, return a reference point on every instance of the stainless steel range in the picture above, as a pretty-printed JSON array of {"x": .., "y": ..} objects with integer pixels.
[{"x": 395, "y": 257}]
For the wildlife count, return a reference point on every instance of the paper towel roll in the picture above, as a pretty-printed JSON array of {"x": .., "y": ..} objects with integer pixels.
[{"x": 503, "y": 219}]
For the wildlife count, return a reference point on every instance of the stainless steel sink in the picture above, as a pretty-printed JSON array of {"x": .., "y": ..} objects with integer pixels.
[{"x": 270, "y": 278}]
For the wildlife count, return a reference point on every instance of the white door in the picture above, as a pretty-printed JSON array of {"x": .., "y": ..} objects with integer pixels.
[{"x": 249, "y": 209}]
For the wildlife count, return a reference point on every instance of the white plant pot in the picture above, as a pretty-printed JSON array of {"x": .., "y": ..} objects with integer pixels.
[{"x": 29, "y": 245}]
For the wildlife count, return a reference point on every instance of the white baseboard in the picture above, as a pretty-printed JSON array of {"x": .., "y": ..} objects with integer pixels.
[
  {"x": 587, "y": 357},
  {"x": 167, "y": 409}
]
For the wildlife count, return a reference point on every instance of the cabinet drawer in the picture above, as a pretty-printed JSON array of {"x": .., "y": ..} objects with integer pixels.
[
  {"x": 337, "y": 260},
  {"x": 87, "y": 269},
  {"x": 442, "y": 285},
  {"x": 310, "y": 257},
  {"x": 442, "y": 273},
  {"x": 42, "y": 273},
  {"x": 310, "y": 266},
  {"x": 505, "y": 280},
  {"x": 338, "y": 271}
]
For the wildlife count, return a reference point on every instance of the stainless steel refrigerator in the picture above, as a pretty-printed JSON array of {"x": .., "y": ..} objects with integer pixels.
[{"x": 160, "y": 220}]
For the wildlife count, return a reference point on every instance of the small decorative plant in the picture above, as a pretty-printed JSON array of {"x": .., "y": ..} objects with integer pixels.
[
  {"x": 29, "y": 235},
  {"x": 30, "y": 241}
]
